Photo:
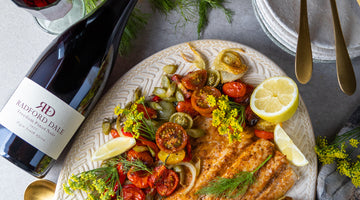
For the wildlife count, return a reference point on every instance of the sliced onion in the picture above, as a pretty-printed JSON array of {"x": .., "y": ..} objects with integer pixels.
[{"x": 193, "y": 175}]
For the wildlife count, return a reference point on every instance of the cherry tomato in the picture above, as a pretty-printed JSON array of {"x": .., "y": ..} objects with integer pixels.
[
  {"x": 156, "y": 99},
  {"x": 245, "y": 100},
  {"x": 171, "y": 137},
  {"x": 168, "y": 184},
  {"x": 186, "y": 107},
  {"x": 122, "y": 174},
  {"x": 149, "y": 113},
  {"x": 250, "y": 117},
  {"x": 264, "y": 134},
  {"x": 138, "y": 178},
  {"x": 188, "y": 156},
  {"x": 114, "y": 133},
  {"x": 131, "y": 192},
  {"x": 156, "y": 176},
  {"x": 164, "y": 180},
  {"x": 128, "y": 134},
  {"x": 177, "y": 79},
  {"x": 150, "y": 145},
  {"x": 194, "y": 80},
  {"x": 199, "y": 102},
  {"x": 143, "y": 156},
  {"x": 234, "y": 89}
]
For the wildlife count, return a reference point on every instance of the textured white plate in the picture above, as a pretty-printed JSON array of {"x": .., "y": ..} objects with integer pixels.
[
  {"x": 280, "y": 21},
  {"x": 147, "y": 75}
]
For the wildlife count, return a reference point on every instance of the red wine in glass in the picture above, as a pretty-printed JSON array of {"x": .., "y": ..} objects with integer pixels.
[
  {"x": 54, "y": 16},
  {"x": 35, "y": 3}
]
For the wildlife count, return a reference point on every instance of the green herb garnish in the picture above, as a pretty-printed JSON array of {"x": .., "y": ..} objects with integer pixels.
[
  {"x": 137, "y": 165},
  {"x": 97, "y": 183},
  {"x": 135, "y": 122},
  {"x": 341, "y": 151},
  {"x": 228, "y": 117},
  {"x": 231, "y": 187}
]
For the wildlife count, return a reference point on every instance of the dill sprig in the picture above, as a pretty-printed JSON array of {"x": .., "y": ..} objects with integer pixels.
[
  {"x": 137, "y": 165},
  {"x": 135, "y": 122},
  {"x": 228, "y": 117},
  {"x": 98, "y": 183},
  {"x": 231, "y": 187},
  {"x": 341, "y": 151}
]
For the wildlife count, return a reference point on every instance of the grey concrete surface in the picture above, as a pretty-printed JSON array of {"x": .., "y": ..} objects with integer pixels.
[{"x": 328, "y": 107}]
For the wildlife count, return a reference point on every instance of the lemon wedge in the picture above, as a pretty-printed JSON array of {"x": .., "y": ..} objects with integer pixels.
[
  {"x": 288, "y": 148},
  {"x": 113, "y": 148},
  {"x": 275, "y": 99}
]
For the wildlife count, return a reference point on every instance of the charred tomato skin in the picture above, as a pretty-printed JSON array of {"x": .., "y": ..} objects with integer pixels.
[
  {"x": 186, "y": 107},
  {"x": 138, "y": 178},
  {"x": 194, "y": 80},
  {"x": 171, "y": 137},
  {"x": 199, "y": 102},
  {"x": 131, "y": 192},
  {"x": 144, "y": 156}
]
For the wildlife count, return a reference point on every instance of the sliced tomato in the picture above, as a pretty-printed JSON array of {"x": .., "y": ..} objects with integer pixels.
[
  {"x": 177, "y": 79},
  {"x": 234, "y": 89},
  {"x": 122, "y": 174},
  {"x": 149, "y": 113},
  {"x": 199, "y": 102},
  {"x": 188, "y": 156},
  {"x": 143, "y": 156},
  {"x": 131, "y": 192},
  {"x": 138, "y": 178},
  {"x": 264, "y": 134},
  {"x": 168, "y": 184},
  {"x": 186, "y": 107},
  {"x": 114, "y": 133},
  {"x": 171, "y": 137},
  {"x": 156, "y": 99},
  {"x": 164, "y": 180},
  {"x": 157, "y": 174},
  {"x": 194, "y": 80}
]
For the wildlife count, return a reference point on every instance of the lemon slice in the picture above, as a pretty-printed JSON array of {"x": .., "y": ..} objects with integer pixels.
[
  {"x": 113, "y": 148},
  {"x": 275, "y": 99},
  {"x": 288, "y": 148}
]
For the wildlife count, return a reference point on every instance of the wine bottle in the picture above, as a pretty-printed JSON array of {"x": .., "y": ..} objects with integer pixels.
[{"x": 62, "y": 87}]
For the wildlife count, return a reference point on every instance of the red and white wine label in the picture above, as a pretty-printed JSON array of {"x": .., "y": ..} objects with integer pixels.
[{"x": 40, "y": 118}]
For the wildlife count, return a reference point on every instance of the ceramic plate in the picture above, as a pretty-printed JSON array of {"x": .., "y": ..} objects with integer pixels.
[{"x": 147, "y": 75}]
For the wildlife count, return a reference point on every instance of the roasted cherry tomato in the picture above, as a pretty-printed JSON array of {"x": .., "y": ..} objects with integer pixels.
[
  {"x": 188, "y": 156},
  {"x": 168, "y": 184},
  {"x": 177, "y": 79},
  {"x": 199, "y": 102},
  {"x": 143, "y": 156},
  {"x": 195, "y": 80},
  {"x": 164, "y": 180},
  {"x": 131, "y": 192},
  {"x": 234, "y": 89},
  {"x": 156, "y": 176},
  {"x": 186, "y": 107},
  {"x": 171, "y": 137},
  {"x": 122, "y": 174},
  {"x": 149, "y": 113},
  {"x": 264, "y": 134},
  {"x": 156, "y": 99},
  {"x": 250, "y": 117},
  {"x": 114, "y": 133},
  {"x": 245, "y": 100},
  {"x": 138, "y": 178},
  {"x": 172, "y": 158}
]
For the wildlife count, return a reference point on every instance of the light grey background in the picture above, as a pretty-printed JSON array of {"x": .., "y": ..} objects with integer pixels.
[{"x": 22, "y": 41}]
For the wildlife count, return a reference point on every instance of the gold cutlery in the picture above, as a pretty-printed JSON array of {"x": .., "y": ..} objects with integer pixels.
[
  {"x": 40, "y": 190},
  {"x": 303, "y": 58},
  {"x": 344, "y": 68}
]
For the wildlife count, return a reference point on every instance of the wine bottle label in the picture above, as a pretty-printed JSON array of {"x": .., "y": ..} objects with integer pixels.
[{"x": 40, "y": 118}]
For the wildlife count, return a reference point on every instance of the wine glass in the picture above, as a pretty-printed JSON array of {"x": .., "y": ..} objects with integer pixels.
[{"x": 54, "y": 16}]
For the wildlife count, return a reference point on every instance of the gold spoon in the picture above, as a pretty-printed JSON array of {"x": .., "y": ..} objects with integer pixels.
[
  {"x": 40, "y": 190},
  {"x": 344, "y": 68},
  {"x": 303, "y": 58}
]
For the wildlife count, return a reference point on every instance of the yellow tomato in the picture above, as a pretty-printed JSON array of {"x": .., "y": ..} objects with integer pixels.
[{"x": 171, "y": 158}]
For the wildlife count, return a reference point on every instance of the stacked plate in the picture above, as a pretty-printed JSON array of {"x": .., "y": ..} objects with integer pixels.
[{"x": 280, "y": 21}]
